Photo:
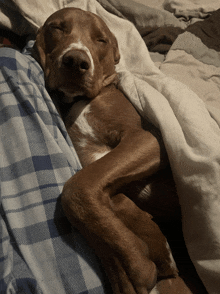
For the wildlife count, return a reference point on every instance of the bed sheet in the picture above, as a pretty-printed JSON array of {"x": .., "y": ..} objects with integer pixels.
[
  {"x": 191, "y": 10},
  {"x": 194, "y": 59}
]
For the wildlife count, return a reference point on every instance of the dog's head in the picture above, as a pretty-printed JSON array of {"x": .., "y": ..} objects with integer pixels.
[{"x": 77, "y": 52}]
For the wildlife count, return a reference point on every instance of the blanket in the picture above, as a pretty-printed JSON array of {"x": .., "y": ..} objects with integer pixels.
[
  {"x": 191, "y": 135},
  {"x": 194, "y": 61},
  {"x": 39, "y": 251},
  {"x": 24, "y": 17},
  {"x": 191, "y": 9}
]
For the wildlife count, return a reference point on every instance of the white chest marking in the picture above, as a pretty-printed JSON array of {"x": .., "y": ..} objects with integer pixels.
[
  {"x": 99, "y": 155},
  {"x": 82, "y": 108},
  {"x": 83, "y": 142},
  {"x": 82, "y": 47},
  {"x": 154, "y": 291}
]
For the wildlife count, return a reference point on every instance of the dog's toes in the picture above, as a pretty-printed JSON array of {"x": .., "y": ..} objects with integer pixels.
[
  {"x": 139, "y": 279},
  {"x": 118, "y": 278}
]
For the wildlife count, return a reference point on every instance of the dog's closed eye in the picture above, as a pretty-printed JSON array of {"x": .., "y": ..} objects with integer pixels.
[
  {"x": 102, "y": 40},
  {"x": 56, "y": 26}
]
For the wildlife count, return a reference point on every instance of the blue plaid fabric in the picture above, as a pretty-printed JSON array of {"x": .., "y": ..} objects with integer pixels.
[{"x": 39, "y": 251}]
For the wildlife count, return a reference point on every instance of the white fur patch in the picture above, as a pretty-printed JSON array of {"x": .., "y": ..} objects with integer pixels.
[
  {"x": 82, "y": 108},
  {"x": 99, "y": 155},
  {"x": 172, "y": 261},
  {"x": 83, "y": 143},
  {"x": 154, "y": 291},
  {"x": 78, "y": 46}
]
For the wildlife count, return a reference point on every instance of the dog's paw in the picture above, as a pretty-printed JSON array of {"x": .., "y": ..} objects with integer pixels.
[{"x": 137, "y": 278}]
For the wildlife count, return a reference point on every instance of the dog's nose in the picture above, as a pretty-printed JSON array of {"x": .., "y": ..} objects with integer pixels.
[{"x": 76, "y": 60}]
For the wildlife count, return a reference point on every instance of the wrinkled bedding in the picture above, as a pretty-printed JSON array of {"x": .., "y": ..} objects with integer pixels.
[
  {"x": 191, "y": 9},
  {"x": 194, "y": 59},
  {"x": 181, "y": 98}
]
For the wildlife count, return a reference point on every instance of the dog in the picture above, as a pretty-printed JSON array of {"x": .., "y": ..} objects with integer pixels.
[{"x": 126, "y": 176}]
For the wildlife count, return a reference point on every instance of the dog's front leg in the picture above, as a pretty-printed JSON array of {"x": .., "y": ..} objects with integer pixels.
[
  {"x": 125, "y": 257},
  {"x": 86, "y": 200}
]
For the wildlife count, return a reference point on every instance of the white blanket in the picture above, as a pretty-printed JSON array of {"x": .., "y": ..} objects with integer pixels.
[{"x": 191, "y": 136}]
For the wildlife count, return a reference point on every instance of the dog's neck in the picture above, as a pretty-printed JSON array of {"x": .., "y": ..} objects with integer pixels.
[{"x": 63, "y": 107}]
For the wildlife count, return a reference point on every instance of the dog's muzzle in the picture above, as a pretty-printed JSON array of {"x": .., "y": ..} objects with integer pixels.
[{"x": 77, "y": 61}]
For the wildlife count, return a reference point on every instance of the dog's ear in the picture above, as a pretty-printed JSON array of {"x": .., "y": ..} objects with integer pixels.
[
  {"x": 38, "y": 50},
  {"x": 115, "y": 49}
]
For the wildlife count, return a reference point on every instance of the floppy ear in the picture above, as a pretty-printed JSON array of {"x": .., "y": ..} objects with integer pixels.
[
  {"x": 38, "y": 50},
  {"x": 114, "y": 44},
  {"x": 115, "y": 49}
]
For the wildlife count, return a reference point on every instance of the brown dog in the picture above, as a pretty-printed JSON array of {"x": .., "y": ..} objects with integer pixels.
[{"x": 78, "y": 54}]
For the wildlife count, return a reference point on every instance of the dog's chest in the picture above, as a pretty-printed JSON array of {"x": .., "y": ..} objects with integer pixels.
[
  {"x": 81, "y": 123},
  {"x": 93, "y": 137},
  {"x": 87, "y": 133}
]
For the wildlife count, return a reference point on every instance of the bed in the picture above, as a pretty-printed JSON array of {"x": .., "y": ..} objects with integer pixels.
[{"x": 170, "y": 71}]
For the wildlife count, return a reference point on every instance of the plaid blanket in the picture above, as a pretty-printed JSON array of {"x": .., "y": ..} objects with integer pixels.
[{"x": 39, "y": 251}]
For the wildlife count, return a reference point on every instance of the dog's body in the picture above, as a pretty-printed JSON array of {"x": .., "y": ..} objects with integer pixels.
[
  {"x": 97, "y": 126},
  {"x": 119, "y": 157}
]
